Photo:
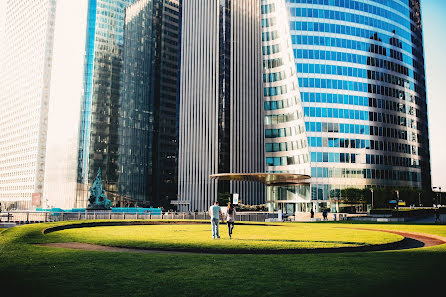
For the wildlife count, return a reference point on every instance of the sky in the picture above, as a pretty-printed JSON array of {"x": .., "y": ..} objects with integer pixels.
[
  {"x": 434, "y": 27},
  {"x": 433, "y": 14}
]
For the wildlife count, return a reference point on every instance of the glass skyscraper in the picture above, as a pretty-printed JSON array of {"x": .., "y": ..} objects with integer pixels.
[
  {"x": 98, "y": 137},
  {"x": 148, "y": 145},
  {"x": 361, "y": 75}
]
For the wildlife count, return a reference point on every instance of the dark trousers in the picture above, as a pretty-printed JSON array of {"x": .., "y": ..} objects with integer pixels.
[{"x": 230, "y": 227}]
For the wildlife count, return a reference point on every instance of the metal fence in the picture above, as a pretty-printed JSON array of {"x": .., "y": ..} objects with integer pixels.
[{"x": 26, "y": 217}]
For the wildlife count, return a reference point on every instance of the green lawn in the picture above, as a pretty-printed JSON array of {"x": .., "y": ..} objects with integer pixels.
[
  {"x": 42, "y": 271},
  {"x": 198, "y": 236}
]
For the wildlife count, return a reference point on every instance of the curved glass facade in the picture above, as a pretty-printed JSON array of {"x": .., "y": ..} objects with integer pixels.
[
  {"x": 361, "y": 75},
  {"x": 286, "y": 147}
]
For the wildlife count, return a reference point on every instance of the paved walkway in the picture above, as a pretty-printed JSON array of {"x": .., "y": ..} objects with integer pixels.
[{"x": 411, "y": 240}]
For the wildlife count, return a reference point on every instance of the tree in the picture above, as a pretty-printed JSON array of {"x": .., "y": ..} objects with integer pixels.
[{"x": 353, "y": 195}]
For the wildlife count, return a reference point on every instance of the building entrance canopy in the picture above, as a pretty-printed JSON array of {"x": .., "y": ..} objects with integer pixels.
[{"x": 269, "y": 179}]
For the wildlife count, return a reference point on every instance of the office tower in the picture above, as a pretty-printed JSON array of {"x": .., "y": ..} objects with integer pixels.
[
  {"x": 221, "y": 101},
  {"x": 361, "y": 75},
  {"x": 98, "y": 138},
  {"x": 24, "y": 98},
  {"x": 148, "y": 106}
]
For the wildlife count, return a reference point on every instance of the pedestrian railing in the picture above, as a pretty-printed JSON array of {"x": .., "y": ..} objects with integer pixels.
[{"x": 27, "y": 217}]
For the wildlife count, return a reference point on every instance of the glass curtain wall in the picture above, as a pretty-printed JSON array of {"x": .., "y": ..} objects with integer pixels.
[{"x": 361, "y": 75}]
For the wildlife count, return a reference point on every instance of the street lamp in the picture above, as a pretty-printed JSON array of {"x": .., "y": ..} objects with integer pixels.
[
  {"x": 397, "y": 201},
  {"x": 371, "y": 190}
]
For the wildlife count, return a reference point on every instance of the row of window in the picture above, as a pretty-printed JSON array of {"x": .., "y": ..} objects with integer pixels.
[
  {"x": 282, "y": 118},
  {"x": 283, "y": 132},
  {"x": 362, "y": 130},
  {"x": 326, "y": 157},
  {"x": 270, "y": 49},
  {"x": 337, "y": 128},
  {"x": 354, "y": 58},
  {"x": 268, "y": 36},
  {"x": 367, "y": 8},
  {"x": 334, "y": 98},
  {"x": 392, "y": 161},
  {"x": 338, "y": 113},
  {"x": 267, "y": 8},
  {"x": 366, "y": 130},
  {"x": 272, "y": 63},
  {"x": 392, "y": 119},
  {"x": 347, "y": 30},
  {"x": 285, "y": 146},
  {"x": 354, "y": 72},
  {"x": 385, "y": 174},
  {"x": 275, "y": 76},
  {"x": 394, "y": 133},
  {"x": 338, "y": 84},
  {"x": 339, "y": 142},
  {"x": 279, "y": 104},
  {"x": 354, "y": 18},
  {"x": 285, "y": 161},
  {"x": 275, "y": 91}
]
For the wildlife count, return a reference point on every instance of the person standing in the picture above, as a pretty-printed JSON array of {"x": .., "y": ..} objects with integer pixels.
[
  {"x": 215, "y": 214},
  {"x": 325, "y": 214},
  {"x": 311, "y": 213},
  {"x": 230, "y": 218}
]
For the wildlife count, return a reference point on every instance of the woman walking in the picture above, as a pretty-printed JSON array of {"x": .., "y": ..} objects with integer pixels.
[{"x": 230, "y": 218}]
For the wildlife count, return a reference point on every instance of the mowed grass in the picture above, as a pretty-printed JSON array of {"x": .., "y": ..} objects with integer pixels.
[
  {"x": 252, "y": 237},
  {"x": 30, "y": 270}
]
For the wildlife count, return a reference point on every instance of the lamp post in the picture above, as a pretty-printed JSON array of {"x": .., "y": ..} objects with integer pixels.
[
  {"x": 440, "y": 194},
  {"x": 397, "y": 201},
  {"x": 371, "y": 190}
]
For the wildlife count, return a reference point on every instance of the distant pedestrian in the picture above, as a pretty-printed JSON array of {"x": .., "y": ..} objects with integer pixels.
[
  {"x": 230, "y": 218},
  {"x": 215, "y": 214},
  {"x": 324, "y": 214},
  {"x": 437, "y": 215},
  {"x": 312, "y": 213}
]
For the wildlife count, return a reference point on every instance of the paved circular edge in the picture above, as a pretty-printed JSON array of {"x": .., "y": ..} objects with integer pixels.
[{"x": 411, "y": 240}]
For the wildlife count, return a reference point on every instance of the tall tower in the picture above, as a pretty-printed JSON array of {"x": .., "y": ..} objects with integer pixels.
[
  {"x": 148, "y": 143},
  {"x": 26, "y": 63},
  {"x": 221, "y": 95},
  {"x": 361, "y": 75},
  {"x": 98, "y": 137}
]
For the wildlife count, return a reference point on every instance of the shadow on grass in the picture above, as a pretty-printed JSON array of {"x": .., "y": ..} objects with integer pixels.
[{"x": 294, "y": 240}]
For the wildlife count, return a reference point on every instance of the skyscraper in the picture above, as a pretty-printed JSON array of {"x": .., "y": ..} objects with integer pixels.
[
  {"x": 98, "y": 138},
  {"x": 361, "y": 75},
  {"x": 24, "y": 98},
  {"x": 148, "y": 106},
  {"x": 221, "y": 101}
]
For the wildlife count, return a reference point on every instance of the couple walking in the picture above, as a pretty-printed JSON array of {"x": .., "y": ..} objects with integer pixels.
[{"x": 216, "y": 214}]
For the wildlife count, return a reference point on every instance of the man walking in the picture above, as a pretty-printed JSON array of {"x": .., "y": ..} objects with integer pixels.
[{"x": 215, "y": 214}]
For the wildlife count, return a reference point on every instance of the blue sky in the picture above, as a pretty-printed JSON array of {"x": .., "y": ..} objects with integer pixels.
[{"x": 434, "y": 26}]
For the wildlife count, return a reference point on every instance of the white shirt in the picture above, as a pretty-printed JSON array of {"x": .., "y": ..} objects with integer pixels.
[{"x": 230, "y": 217}]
